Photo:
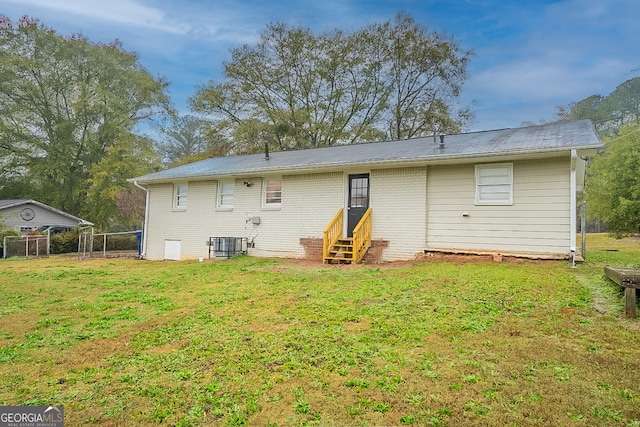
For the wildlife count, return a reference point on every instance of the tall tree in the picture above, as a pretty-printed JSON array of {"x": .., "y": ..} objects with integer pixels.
[
  {"x": 623, "y": 104},
  {"x": 588, "y": 108},
  {"x": 425, "y": 72},
  {"x": 127, "y": 157},
  {"x": 296, "y": 89},
  {"x": 64, "y": 103},
  {"x": 608, "y": 113},
  {"x": 613, "y": 193},
  {"x": 189, "y": 138},
  {"x": 613, "y": 187}
]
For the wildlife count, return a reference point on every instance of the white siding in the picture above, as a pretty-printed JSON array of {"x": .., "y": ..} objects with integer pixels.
[
  {"x": 11, "y": 217},
  {"x": 398, "y": 202},
  {"x": 537, "y": 222}
]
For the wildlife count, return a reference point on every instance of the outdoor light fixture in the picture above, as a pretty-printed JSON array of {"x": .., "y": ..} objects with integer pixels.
[{"x": 247, "y": 183}]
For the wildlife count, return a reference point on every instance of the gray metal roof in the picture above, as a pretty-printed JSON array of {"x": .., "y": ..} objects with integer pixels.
[{"x": 557, "y": 137}]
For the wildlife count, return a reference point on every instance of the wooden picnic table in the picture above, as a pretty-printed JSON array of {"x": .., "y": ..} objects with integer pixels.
[{"x": 629, "y": 279}]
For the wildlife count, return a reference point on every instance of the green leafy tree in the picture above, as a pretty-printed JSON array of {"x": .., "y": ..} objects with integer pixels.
[
  {"x": 296, "y": 89},
  {"x": 65, "y": 105},
  {"x": 127, "y": 157},
  {"x": 5, "y": 231},
  {"x": 623, "y": 104},
  {"x": 613, "y": 192},
  {"x": 612, "y": 185},
  {"x": 608, "y": 113},
  {"x": 588, "y": 108}
]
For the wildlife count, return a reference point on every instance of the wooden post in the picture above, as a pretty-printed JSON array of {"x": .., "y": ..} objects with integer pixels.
[
  {"x": 630, "y": 302},
  {"x": 629, "y": 279}
]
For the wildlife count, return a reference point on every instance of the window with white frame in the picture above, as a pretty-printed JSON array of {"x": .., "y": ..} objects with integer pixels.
[
  {"x": 272, "y": 192},
  {"x": 494, "y": 184},
  {"x": 180, "y": 196},
  {"x": 225, "y": 194}
]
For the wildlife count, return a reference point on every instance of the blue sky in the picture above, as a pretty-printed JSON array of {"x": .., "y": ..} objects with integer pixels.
[{"x": 529, "y": 55}]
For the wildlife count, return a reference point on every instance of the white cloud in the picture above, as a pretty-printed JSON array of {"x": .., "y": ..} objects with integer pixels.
[
  {"x": 572, "y": 49},
  {"x": 124, "y": 12},
  {"x": 530, "y": 56}
]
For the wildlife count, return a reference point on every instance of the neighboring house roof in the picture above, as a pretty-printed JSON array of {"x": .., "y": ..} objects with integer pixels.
[
  {"x": 10, "y": 203},
  {"x": 541, "y": 140}
]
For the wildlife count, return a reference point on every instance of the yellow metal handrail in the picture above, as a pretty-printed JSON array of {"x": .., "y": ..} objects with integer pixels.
[
  {"x": 332, "y": 233},
  {"x": 362, "y": 237}
]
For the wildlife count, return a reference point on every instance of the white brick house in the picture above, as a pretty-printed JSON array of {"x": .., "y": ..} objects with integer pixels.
[{"x": 510, "y": 191}]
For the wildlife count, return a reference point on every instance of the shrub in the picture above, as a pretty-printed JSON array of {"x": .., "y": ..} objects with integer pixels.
[
  {"x": 65, "y": 242},
  {"x": 6, "y": 232},
  {"x": 116, "y": 242}
]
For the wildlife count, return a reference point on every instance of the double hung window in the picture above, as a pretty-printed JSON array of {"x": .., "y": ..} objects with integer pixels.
[
  {"x": 272, "y": 193},
  {"x": 225, "y": 194},
  {"x": 180, "y": 192}
]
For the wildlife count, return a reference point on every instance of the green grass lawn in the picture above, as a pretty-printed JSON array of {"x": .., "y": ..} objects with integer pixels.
[{"x": 252, "y": 341}]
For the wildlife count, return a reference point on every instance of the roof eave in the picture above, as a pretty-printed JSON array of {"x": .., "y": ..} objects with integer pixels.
[{"x": 404, "y": 162}]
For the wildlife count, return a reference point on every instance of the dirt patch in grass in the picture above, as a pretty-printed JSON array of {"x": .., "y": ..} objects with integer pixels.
[
  {"x": 94, "y": 352},
  {"x": 15, "y": 325},
  {"x": 286, "y": 264}
]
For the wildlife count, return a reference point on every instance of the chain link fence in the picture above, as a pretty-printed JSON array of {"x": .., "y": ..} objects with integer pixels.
[
  {"x": 26, "y": 246},
  {"x": 109, "y": 245}
]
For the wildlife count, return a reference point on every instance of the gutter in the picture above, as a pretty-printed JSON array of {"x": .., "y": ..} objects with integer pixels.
[{"x": 145, "y": 226}]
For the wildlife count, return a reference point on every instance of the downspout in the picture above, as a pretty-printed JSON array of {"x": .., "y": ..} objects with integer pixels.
[
  {"x": 574, "y": 210},
  {"x": 146, "y": 219}
]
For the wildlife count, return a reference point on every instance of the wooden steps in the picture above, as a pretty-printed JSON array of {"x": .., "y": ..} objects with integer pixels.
[
  {"x": 341, "y": 252},
  {"x": 346, "y": 250}
]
